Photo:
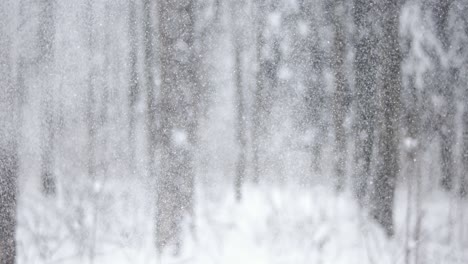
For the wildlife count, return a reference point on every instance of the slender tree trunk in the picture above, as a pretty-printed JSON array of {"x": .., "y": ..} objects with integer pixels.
[
  {"x": 8, "y": 203},
  {"x": 91, "y": 119},
  {"x": 133, "y": 87},
  {"x": 464, "y": 176},
  {"x": 446, "y": 88},
  {"x": 149, "y": 69},
  {"x": 419, "y": 211},
  {"x": 90, "y": 97},
  {"x": 46, "y": 60},
  {"x": 9, "y": 137},
  {"x": 315, "y": 98},
  {"x": 339, "y": 96},
  {"x": 448, "y": 136},
  {"x": 259, "y": 99},
  {"x": 412, "y": 152},
  {"x": 8, "y": 183},
  {"x": 105, "y": 101},
  {"x": 241, "y": 135},
  {"x": 178, "y": 108},
  {"x": 388, "y": 168},
  {"x": 237, "y": 10},
  {"x": 365, "y": 94},
  {"x": 266, "y": 84}
]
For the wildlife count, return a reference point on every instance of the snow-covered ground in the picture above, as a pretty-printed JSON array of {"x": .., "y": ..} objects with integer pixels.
[{"x": 287, "y": 224}]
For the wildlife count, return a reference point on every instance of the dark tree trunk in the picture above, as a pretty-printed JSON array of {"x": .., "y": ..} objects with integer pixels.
[
  {"x": 90, "y": 97},
  {"x": 178, "y": 111},
  {"x": 149, "y": 68},
  {"x": 9, "y": 138},
  {"x": 8, "y": 203},
  {"x": 464, "y": 177},
  {"x": 339, "y": 95},
  {"x": 315, "y": 97},
  {"x": 260, "y": 90},
  {"x": 446, "y": 89},
  {"x": 365, "y": 94},
  {"x": 464, "y": 174},
  {"x": 46, "y": 60},
  {"x": 412, "y": 171},
  {"x": 240, "y": 125},
  {"x": 240, "y": 133},
  {"x": 266, "y": 77},
  {"x": 133, "y": 87},
  {"x": 388, "y": 168},
  {"x": 447, "y": 135},
  {"x": 104, "y": 114},
  {"x": 412, "y": 118}
]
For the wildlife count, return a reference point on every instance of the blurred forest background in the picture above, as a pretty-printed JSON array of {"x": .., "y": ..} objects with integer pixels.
[{"x": 233, "y": 131}]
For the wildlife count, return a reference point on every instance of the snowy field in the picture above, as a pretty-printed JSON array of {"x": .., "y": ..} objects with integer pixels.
[{"x": 273, "y": 224}]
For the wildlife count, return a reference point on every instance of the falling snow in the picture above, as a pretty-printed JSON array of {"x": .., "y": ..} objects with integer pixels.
[{"x": 233, "y": 131}]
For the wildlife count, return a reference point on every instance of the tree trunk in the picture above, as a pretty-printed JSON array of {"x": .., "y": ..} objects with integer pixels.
[
  {"x": 8, "y": 174},
  {"x": 387, "y": 169},
  {"x": 104, "y": 114},
  {"x": 178, "y": 108},
  {"x": 9, "y": 137},
  {"x": 447, "y": 135},
  {"x": 240, "y": 126},
  {"x": 315, "y": 97},
  {"x": 464, "y": 177},
  {"x": 90, "y": 97},
  {"x": 241, "y": 136},
  {"x": 133, "y": 87},
  {"x": 446, "y": 89},
  {"x": 365, "y": 94},
  {"x": 463, "y": 191},
  {"x": 266, "y": 83},
  {"x": 150, "y": 87},
  {"x": 45, "y": 63},
  {"x": 339, "y": 95},
  {"x": 259, "y": 99},
  {"x": 413, "y": 108},
  {"x": 8, "y": 202}
]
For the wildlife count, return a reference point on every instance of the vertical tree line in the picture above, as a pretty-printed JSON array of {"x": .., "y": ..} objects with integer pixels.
[
  {"x": 446, "y": 115},
  {"x": 238, "y": 10},
  {"x": 365, "y": 64},
  {"x": 261, "y": 92},
  {"x": 133, "y": 86},
  {"x": 315, "y": 64},
  {"x": 46, "y": 66},
  {"x": 388, "y": 137},
  {"x": 339, "y": 95},
  {"x": 178, "y": 120},
  {"x": 9, "y": 138},
  {"x": 91, "y": 90},
  {"x": 149, "y": 72}
]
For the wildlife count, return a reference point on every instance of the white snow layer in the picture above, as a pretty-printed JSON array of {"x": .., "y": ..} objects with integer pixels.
[{"x": 273, "y": 224}]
